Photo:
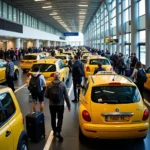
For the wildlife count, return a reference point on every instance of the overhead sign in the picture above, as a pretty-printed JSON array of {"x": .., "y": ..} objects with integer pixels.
[
  {"x": 111, "y": 40},
  {"x": 71, "y": 34}
]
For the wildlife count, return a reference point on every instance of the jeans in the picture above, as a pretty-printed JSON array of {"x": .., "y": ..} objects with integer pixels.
[
  {"x": 10, "y": 82},
  {"x": 58, "y": 111},
  {"x": 76, "y": 94}
]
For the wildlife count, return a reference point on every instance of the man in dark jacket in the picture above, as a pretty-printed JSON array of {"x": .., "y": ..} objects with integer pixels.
[
  {"x": 99, "y": 68},
  {"x": 57, "y": 108},
  {"x": 77, "y": 74}
]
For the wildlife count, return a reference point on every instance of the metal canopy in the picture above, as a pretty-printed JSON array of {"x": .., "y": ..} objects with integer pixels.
[{"x": 69, "y": 15}]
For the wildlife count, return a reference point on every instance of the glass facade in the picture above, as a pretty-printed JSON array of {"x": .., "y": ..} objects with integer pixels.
[
  {"x": 107, "y": 26},
  {"x": 16, "y": 15}
]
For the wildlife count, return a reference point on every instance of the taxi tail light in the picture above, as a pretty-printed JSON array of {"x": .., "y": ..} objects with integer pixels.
[
  {"x": 66, "y": 61},
  {"x": 86, "y": 116},
  {"x": 22, "y": 61},
  {"x": 111, "y": 69},
  {"x": 34, "y": 61},
  {"x": 145, "y": 114},
  {"x": 29, "y": 74},
  {"x": 88, "y": 69},
  {"x": 52, "y": 75}
]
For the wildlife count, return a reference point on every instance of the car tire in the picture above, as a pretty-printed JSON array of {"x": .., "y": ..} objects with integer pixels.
[
  {"x": 16, "y": 75},
  {"x": 82, "y": 138},
  {"x": 23, "y": 145}
]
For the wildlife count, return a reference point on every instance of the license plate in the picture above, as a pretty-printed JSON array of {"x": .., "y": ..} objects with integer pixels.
[
  {"x": 117, "y": 118},
  {"x": 28, "y": 62}
]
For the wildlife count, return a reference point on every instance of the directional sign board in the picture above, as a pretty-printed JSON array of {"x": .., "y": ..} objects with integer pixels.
[
  {"x": 71, "y": 34},
  {"x": 111, "y": 40}
]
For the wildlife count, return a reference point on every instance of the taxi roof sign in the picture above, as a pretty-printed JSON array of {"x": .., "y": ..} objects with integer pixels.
[{"x": 106, "y": 73}]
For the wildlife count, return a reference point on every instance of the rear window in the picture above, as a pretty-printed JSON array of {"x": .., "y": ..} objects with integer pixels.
[
  {"x": 115, "y": 94},
  {"x": 85, "y": 57},
  {"x": 96, "y": 61},
  {"x": 44, "y": 67},
  {"x": 60, "y": 57},
  {"x": 84, "y": 61},
  {"x": 30, "y": 57}
]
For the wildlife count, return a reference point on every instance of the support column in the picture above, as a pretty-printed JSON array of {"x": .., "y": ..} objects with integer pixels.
[
  {"x": 48, "y": 44},
  {"x": 147, "y": 13},
  {"x": 122, "y": 30},
  {"x": 54, "y": 43},
  {"x": 117, "y": 24},
  {"x": 36, "y": 43},
  {"x": 134, "y": 27},
  {"x": 21, "y": 43},
  {"x": 17, "y": 43}
]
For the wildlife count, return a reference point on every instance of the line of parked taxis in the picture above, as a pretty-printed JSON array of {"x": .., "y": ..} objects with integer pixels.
[{"x": 110, "y": 106}]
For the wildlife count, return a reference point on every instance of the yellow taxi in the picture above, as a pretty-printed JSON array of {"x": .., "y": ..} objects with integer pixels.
[
  {"x": 48, "y": 67},
  {"x": 29, "y": 60},
  {"x": 12, "y": 132},
  {"x": 3, "y": 64},
  {"x": 86, "y": 55},
  {"x": 147, "y": 83},
  {"x": 69, "y": 53},
  {"x": 92, "y": 64},
  {"x": 111, "y": 107},
  {"x": 60, "y": 50},
  {"x": 64, "y": 58}
]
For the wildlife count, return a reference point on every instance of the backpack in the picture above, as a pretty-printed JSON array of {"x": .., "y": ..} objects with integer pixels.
[
  {"x": 56, "y": 91},
  {"x": 34, "y": 85},
  {"x": 80, "y": 71},
  {"x": 141, "y": 76}
]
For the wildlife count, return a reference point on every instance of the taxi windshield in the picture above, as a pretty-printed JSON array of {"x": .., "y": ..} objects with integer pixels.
[
  {"x": 84, "y": 61},
  {"x": 117, "y": 94},
  {"x": 96, "y": 61},
  {"x": 44, "y": 67},
  {"x": 30, "y": 57},
  {"x": 60, "y": 57}
]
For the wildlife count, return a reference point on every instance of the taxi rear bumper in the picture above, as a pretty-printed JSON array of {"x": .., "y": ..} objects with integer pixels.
[{"x": 126, "y": 131}]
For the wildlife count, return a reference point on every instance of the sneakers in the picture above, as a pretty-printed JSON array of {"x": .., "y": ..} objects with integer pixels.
[
  {"x": 58, "y": 135},
  {"x": 74, "y": 101}
]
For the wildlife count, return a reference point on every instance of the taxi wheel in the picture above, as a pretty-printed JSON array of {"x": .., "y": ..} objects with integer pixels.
[
  {"x": 23, "y": 145},
  {"x": 82, "y": 138},
  {"x": 16, "y": 75}
]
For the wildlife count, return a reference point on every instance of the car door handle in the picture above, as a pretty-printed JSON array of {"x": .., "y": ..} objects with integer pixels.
[{"x": 8, "y": 133}]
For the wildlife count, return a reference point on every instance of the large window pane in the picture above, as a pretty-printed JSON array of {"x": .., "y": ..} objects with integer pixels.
[
  {"x": 143, "y": 54},
  {"x": 14, "y": 14},
  {"x": 21, "y": 17},
  {"x": 0, "y": 8},
  {"x": 141, "y": 7},
  {"x": 10, "y": 12},
  {"x": 142, "y": 36},
  {"x": 5, "y": 10}
]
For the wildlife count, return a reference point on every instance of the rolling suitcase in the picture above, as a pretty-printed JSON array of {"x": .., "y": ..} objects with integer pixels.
[
  {"x": 35, "y": 126},
  {"x": 128, "y": 72}
]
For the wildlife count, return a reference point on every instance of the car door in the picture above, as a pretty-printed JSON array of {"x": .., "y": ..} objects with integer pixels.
[
  {"x": 147, "y": 84},
  {"x": 2, "y": 70},
  {"x": 6, "y": 136}
]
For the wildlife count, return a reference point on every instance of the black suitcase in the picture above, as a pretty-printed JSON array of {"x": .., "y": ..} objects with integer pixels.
[{"x": 35, "y": 126}]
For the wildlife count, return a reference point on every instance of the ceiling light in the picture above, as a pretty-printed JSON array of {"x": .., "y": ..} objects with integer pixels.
[
  {"x": 39, "y": 0},
  {"x": 82, "y": 13},
  {"x": 53, "y": 14},
  {"x": 45, "y": 7},
  {"x": 83, "y": 5}
]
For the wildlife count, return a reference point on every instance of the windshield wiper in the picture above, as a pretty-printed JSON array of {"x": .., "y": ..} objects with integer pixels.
[{"x": 109, "y": 101}]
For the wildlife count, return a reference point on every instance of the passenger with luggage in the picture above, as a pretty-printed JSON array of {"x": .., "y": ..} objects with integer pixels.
[
  {"x": 99, "y": 68},
  {"x": 56, "y": 92},
  {"x": 121, "y": 64},
  {"x": 139, "y": 76},
  {"x": 77, "y": 74},
  {"x": 36, "y": 84}
]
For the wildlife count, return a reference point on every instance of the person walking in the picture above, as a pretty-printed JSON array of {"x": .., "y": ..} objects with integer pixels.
[
  {"x": 121, "y": 64},
  {"x": 10, "y": 73},
  {"x": 77, "y": 74},
  {"x": 99, "y": 68},
  {"x": 56, "y": 92},
  {"x": 36, "y": 84},
  {"x": 139, "y": 76}
]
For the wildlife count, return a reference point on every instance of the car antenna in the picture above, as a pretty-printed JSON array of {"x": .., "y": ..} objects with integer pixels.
[{"x": 113, "y": 78}]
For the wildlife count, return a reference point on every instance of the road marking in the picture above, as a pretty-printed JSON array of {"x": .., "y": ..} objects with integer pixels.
[
  {"x": 50, "y": 138},
  {"x": 146, "y": 102},
  {"x": 20, "y": 88}
]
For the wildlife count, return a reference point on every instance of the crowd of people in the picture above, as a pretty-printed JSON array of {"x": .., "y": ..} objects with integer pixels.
[{"x": 56, "y": 91}]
